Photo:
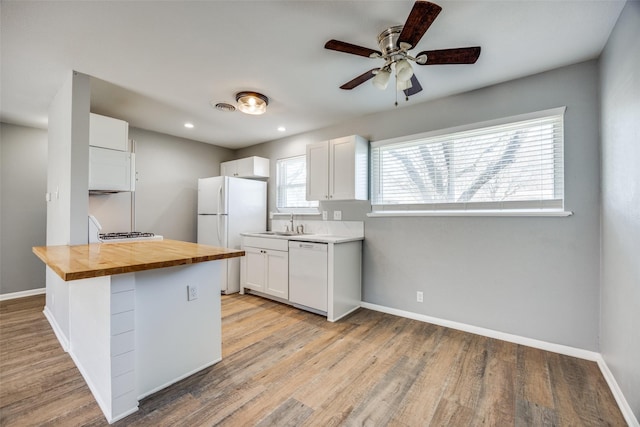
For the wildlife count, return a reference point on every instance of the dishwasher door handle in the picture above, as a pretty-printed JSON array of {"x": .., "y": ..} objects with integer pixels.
[{"x": 308, "y": 246}]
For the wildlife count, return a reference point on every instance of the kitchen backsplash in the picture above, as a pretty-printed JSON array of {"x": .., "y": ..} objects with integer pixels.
[{"x": 333, "y": 228}]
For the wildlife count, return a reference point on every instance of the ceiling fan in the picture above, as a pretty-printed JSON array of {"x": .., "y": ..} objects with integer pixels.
[{"x": 395, "y": 43}]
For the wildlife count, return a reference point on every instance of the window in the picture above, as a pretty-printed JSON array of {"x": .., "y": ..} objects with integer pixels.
[
  {"x": 292, "y": 185},
  {"x": 515, "y": 164}
]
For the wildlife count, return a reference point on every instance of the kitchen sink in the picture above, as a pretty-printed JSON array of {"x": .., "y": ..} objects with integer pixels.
[{"x": 282, "y": 233}]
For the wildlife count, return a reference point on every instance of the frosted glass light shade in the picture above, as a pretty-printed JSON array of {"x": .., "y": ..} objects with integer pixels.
[
  {"x": 252, "y": 102},
  {"x": 403, "y": 70},
  {"x": 400, "y": 85},
  {"x": 381, "y": 80}
]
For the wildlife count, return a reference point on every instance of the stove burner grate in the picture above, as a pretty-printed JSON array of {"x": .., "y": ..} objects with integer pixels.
[{"x": 129, "y": 235}]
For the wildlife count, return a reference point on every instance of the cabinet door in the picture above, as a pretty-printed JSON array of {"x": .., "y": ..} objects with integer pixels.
[
  {"x": 244, "y": 167},
  {"x": 342, "y": 168},
  {"x": 249, "y": 167},
  {"x": 318, "y": 171},
  {"x": 277, "y": 280},
  {"x": 254, "y": 269},
  {"x": 228, "y": 168},
  {"x": 110, "y": 170},
  {"x": 107, "y": 132}
]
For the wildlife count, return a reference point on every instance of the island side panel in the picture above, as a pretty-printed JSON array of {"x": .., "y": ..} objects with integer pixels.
[
  {"x": 176, "y": 337},
  {"x": 101, "y": 330},
  {"x": 56, "y": 308},
  {"x": 345, "y": 279}
]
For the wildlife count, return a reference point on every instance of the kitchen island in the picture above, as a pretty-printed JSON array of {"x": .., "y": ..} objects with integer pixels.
[{"x": 135, "y": 317}]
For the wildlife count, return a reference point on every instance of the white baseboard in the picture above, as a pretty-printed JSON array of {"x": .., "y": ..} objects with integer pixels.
[
  {"x": 62, "y": 339},
  {"x": 624, "y": 406},
  {"x": 530, "y": 342},
  {"x": 517, "y": 339},
  {"x": 22, "y": 294},
  {"x": 95, "y": 391},
  {"x": 179, "y": 378}
]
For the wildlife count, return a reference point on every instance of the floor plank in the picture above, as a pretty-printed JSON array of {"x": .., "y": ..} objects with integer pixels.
[{"x": 285, "y": 367}]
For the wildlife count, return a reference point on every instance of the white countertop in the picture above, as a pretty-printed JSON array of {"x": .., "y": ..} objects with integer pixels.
[{"x": 315, "y": 238}]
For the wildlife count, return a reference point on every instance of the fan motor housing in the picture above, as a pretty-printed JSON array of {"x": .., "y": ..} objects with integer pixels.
[{"x": 388, "y": 41}]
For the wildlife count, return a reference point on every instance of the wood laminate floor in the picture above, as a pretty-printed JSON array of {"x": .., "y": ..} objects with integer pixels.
[{"x": 285, "y": 367}]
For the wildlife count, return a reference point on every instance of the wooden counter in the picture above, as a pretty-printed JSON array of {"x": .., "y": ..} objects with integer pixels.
[{"x": 105, "y": 259}]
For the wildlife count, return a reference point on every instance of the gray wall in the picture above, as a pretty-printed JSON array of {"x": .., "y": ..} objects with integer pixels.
[
  {"x": 620, "y": 93},
  {"x": 535, "y": 277},
  {"x": 168, "y": 169},
  {"x": 23, "y": 212},
  {"x": 167, "y": 187}
]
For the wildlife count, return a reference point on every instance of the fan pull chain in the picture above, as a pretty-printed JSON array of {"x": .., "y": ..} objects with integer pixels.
[{"x": 396, "y": 91}]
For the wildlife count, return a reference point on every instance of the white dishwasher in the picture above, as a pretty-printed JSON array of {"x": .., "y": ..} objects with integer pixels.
[{"x": 308, "y": 275}]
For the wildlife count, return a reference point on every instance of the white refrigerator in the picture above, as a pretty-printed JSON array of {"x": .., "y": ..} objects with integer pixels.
[{"x": 229, "y": 206}]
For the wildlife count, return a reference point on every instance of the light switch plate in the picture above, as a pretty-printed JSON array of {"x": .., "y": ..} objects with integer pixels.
[{"x": 324, "y": 215}]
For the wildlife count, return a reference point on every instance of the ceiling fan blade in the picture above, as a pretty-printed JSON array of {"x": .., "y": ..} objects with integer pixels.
[
  {"x": 367, "y": 75},
  {"x": 350, "y": 48},
  {"x": 418, "y": 22},
  {"x": 415, "y": 87},
  {"x": 461, "y": 55}
]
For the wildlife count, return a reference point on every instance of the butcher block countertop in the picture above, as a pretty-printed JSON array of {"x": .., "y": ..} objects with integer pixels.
[{"x": 106, "y": 259}]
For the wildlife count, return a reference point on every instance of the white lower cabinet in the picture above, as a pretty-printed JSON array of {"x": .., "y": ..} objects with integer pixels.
[
  {"x": 265, "y": 268},
  {"x": 277, "y": 274}
]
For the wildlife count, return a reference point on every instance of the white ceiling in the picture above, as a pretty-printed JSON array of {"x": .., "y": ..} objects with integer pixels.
[{"x": 158, "y": 64}]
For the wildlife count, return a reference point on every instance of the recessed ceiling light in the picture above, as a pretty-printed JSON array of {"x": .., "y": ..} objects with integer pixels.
[
  {"x": 281, "y": 128},
  {"x": 188, "y": 125}
]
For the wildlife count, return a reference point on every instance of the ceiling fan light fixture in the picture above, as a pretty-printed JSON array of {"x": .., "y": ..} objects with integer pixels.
[
  {"x": 404, "y": 72},
  {"x": 403, "y": 85},
  {"x": 252, "y": 102},
  {"x": 381, "y": 79}
]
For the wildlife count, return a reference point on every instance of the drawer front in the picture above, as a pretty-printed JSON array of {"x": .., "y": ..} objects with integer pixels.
[{"x": 266, "y": 243}]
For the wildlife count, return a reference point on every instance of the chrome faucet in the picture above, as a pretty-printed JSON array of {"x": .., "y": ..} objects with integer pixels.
[{"x": 291, "y": 221}]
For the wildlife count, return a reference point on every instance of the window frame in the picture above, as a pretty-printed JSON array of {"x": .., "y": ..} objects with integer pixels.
[
  {"x": 553, "y": 207},
  {"x": 312, "y": 210}
]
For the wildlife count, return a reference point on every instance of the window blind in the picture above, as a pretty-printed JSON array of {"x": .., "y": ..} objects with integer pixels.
[
  {"x": 512, "y": 165},
  {"x": 291, "y": 185}
]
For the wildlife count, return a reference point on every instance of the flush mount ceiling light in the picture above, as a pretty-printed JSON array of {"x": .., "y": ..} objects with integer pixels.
[{"x": 252, "y": 102}]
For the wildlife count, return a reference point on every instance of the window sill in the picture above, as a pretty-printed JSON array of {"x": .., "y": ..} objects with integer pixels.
[{"x": 518, "y": 212}]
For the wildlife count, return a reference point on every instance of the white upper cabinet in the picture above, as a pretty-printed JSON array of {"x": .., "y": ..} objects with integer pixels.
[
  {"x": 249, "y": 167},
  {"x": 107, "y": 132},
  {"x": 111, "y": 170},
  {"x": 111, "y": 165},
  {"x": 338, "y": 169}
]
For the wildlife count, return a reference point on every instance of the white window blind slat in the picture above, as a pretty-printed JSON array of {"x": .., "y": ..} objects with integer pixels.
[{"x": 486, "y": 168}]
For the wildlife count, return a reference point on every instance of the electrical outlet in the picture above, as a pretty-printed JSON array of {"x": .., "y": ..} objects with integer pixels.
[
  {"x": 419, "y": 296},
  {"x": 337, "y": 215},
  {"x": 324, "y": 215},
  {"x": 192, "y": 292}
]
